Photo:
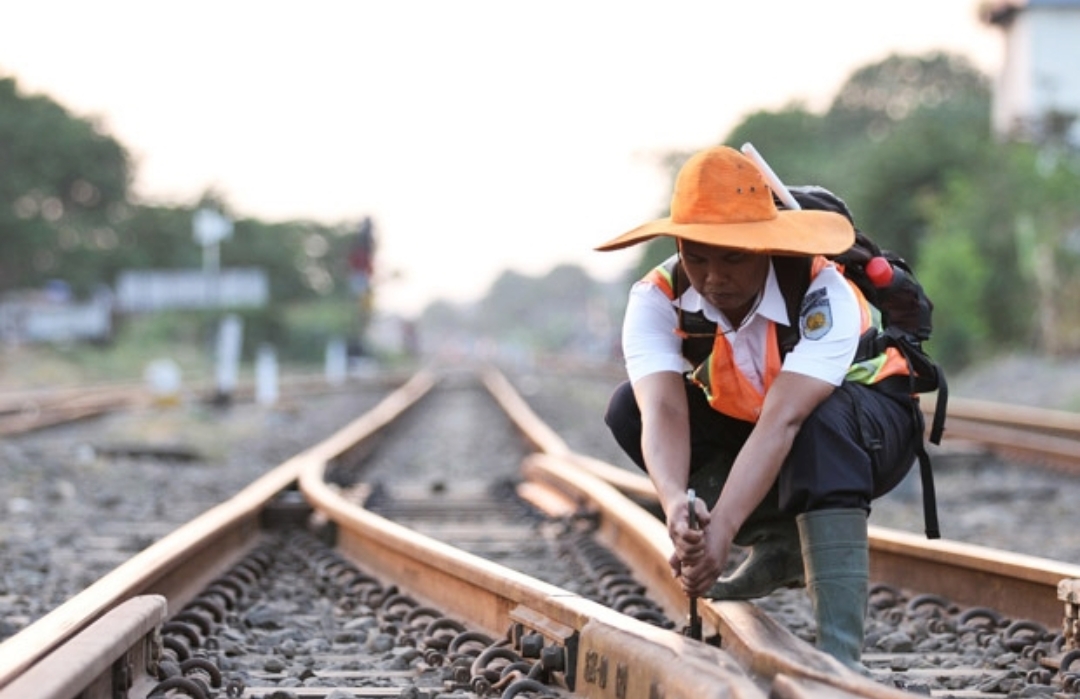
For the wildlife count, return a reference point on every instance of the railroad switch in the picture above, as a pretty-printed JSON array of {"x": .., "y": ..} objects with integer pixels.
[{"x": 288, "y": 510}]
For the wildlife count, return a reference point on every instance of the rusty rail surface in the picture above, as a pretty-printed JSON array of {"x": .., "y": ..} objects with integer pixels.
[{"x": 26, "y": 411}]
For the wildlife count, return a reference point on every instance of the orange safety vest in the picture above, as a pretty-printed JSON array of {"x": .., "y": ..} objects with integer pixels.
[{"x": 729, "y": 391}]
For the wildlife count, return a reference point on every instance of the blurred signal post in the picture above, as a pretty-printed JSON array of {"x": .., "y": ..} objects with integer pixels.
[{"x": 361, "y": 269}]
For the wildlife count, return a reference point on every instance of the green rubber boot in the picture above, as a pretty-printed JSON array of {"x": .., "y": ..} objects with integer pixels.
[
  {"x": 775, "y": 561},
  {"x": 837, "y": 558}
]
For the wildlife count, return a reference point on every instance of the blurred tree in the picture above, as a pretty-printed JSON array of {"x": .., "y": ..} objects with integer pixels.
[
  {"x": 159, "y": 237},
  {"x": 63, "y": 192},
  {"x": 954, "y": 258},
  {"x": 879, "y": 96},
  {"x": 295, "y": 255},
  {"x": 891, "y": 180},
  {"x": 1003, "y": 249}
]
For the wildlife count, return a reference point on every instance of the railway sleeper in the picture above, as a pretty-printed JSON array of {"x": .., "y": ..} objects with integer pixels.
[
  {"x": 926, "y": 644},
  {"x": 295, "y": 619},
  {"x": 251, "y": 634}
]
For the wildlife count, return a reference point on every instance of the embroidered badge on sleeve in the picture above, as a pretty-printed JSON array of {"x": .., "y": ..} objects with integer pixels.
[{"x": 815, "y": 315}]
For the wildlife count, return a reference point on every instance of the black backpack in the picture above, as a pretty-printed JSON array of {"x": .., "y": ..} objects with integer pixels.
[{"x": 906, "y": 313}]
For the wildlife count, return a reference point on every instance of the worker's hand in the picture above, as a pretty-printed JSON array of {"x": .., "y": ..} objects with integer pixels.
[
  {"x": 703, "y": 562},
  {"x": 688, "y": 541}
]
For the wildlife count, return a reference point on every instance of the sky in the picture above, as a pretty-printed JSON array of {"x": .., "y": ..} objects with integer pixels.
[{"x": 479, "y": 135}]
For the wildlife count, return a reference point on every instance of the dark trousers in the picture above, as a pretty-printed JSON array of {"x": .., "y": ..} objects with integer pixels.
[{"x": 854, "y": 447}]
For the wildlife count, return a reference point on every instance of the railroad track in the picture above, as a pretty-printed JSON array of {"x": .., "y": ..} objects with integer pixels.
[
  {"x": 330, "y": 519},
  {"x": 38, "y": 409},
  {"x": 25, "y": 411},
  {"x": 1046, "y": 437}
]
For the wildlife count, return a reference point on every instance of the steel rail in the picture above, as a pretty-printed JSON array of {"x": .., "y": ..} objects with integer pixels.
[
  {"x": 766, "y": 650},
  {"x": 177, "y": 566},
  {"x": 1021, "y": 586},
  {"x": 651, "y": 660},
  {"x": 1050, "y": 449},
  {"x": 1025, "y": 417},
  {"x": 16, "y": 400},
  {"x": 27, "y": 411},
  {"x": 1024, "y": 586},
  {"x": 183, "y": 562},
  {"x": 125, "y": 634}
]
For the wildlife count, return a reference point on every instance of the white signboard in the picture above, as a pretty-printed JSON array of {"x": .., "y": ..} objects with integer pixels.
[{"x": 210, "y": 227}]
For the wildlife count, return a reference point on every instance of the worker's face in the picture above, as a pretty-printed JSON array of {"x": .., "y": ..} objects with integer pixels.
[{"x": 727, "y": 278}]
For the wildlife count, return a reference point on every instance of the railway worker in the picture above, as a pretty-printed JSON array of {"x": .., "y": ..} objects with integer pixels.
[{"x": 773, "y": 442}]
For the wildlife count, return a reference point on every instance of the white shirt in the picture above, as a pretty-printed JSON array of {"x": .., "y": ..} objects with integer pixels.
[{"x": 825, "y": 349}]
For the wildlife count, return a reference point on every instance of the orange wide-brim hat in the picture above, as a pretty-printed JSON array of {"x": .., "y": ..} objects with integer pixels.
[{"x": 721, "y": 198}]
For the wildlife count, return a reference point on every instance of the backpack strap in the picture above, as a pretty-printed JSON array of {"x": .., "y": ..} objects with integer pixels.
[
  {"x": 923, "y": 375},
  {"x": 699, "y": 331},
  {"x": 923, "y": 371},
  {"x": 793, "y": 276},
  {"x": 926, "y": 475},
  {"x": 933, "y": 531}
]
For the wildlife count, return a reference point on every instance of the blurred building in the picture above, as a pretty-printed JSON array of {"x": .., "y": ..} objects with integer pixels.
[{"x": 1037, "y": 95}]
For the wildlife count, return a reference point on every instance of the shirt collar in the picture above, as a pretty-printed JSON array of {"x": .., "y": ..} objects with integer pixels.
[{"x": 772, "y": 306}]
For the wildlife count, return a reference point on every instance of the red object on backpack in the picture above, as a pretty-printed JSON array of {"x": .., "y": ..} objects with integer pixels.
[{"x": 880, "y": 272}]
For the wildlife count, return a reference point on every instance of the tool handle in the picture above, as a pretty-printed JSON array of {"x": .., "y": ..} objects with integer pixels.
[
  {"x": 691, "y": 510},
  {"x": 777, "y": 185},
  {"x": 694, "y": 630}
]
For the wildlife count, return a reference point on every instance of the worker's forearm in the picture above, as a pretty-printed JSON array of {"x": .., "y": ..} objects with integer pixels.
[
  {"x": 668, "y": 464},
  {"x": 752, "y": 475}
]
